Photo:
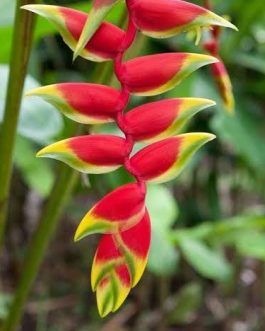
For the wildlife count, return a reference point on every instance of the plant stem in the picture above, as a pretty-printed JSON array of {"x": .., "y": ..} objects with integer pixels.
[
  {"x": 21, "y": 46},
  {"x": 34, "y": 256}
]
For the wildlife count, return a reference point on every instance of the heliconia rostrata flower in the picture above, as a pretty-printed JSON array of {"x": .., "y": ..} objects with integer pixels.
[{"x": 121, "y": 216}]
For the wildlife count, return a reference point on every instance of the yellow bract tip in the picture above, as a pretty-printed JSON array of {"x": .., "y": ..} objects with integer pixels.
[
  {"x": 42, "y": 91},
  {"x": 91, "y": 224},
  {"x": 43, "y": 10},
  {"x": 203, "y": 58},
  {"x": 197, "y": 137},
  {"x": 53, "y": 149},
  {"x": 220, "y": 21}
]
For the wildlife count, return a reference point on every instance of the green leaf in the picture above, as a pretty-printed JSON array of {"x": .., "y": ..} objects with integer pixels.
[
  {"x": 244, "y": 131},
  {"x": 207, "y": 262},
  {"x": 163, "y": 213},
  {"x": 5, "y": 302},
  {"x": 38, "y": 120},
  {"x": 250, "y": 61},
  {"x": 251, "y": 244},
  {"x": 163, "y": 257},
  {"x": 36, "y": 173},
  {"x": 188, "y": 301}
]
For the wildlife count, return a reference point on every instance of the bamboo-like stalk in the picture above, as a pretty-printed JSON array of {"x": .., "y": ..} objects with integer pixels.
[
  {"x": 35, "y": 253},
  {"x": 21, "y": 46}
]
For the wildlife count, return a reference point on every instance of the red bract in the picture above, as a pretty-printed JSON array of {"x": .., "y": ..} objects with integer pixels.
[
  {"x": 82, "y": 102},
  {"x": 156, "y": 120},
  {"x": 165, "y": 159},
  {"x": 155, "y": 74},
  {"x": 165, "y": 18},
  {"x": 117, "y": 211},
  {"x": 92, "y": 154},
  {"x": 121, "y": 216},
  {"x": 104, "y": 45}
]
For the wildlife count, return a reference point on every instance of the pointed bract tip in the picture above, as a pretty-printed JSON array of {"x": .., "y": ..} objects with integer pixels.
[
  {"x": 77, "y": 52},
  {"x": 51, "y": 150},
  {"x": 29, "y": 7},
  {"x": 209, "y": 102},
  {"x": 221, "y": 21},
  {"x": 43, "y": 90},
  {"x": 197, "y": 136},
  {"x": 205, "y": 103},
  {"x": 40, "y": 9},
  {"x": 39, "y": 153},
  {"x": 207, "y": 59},
  {"x": 91, "y": 225}
]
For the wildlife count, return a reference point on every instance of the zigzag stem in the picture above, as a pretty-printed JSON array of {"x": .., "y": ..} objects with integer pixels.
[{"x": 125, "y": 95}]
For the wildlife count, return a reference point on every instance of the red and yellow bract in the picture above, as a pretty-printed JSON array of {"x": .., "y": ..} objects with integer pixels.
[
  {"x": 104, "y": 45},
  {"x": 166, "y": 18},
  {"x": 82, "y": 102},
  {"x": 117, "y": 211},
  {"x": 94, "y": 154}
]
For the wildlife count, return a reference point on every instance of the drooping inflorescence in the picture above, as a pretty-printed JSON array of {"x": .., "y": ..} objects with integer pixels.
[{"x": 121, "y": 216}]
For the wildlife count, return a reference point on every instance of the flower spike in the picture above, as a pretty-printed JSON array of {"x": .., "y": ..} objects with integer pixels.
[
  {"x": 166, "y": 18},
  {"x": 81, "y": 102},
  {"x": 155, "y": 74},
  {"x": 119, "y": 263},
  {"x": 93, "y": 154},
  {"x": 165, "y": 159},
  {"x": 167, "y": 117},
  {"x": 117, "y": 211},
  {"x": 102, "y": 47}
]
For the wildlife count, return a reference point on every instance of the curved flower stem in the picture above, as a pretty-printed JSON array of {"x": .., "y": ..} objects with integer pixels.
[{"x": 21, "y": 46}]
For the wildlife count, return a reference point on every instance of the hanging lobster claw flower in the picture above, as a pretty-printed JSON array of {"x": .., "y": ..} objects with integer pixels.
[
  {"x": 166, "y": 18},
  {"x": 100, "y": 9},
  {"x": 119, "y": 263},
  {"x": 161, "y": 119},
  {"x": 94, "y": 154},
  {"x": 81, "y": 102},
  {"x": 155, "y": 74},
  {"x": 117, "y": 211},
  {"x": 165, "y": 159},
  {"x": 103, "y": 46},
  {"x": 224, "y": 85}
]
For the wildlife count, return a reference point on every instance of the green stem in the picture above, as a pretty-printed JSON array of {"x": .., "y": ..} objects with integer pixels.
[
  {"x": 21, "y": 46},
  {"x": 35, "y": 253}
]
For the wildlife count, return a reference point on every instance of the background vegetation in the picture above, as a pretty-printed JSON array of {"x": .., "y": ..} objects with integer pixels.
[{"x": 206, "y": 269}]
